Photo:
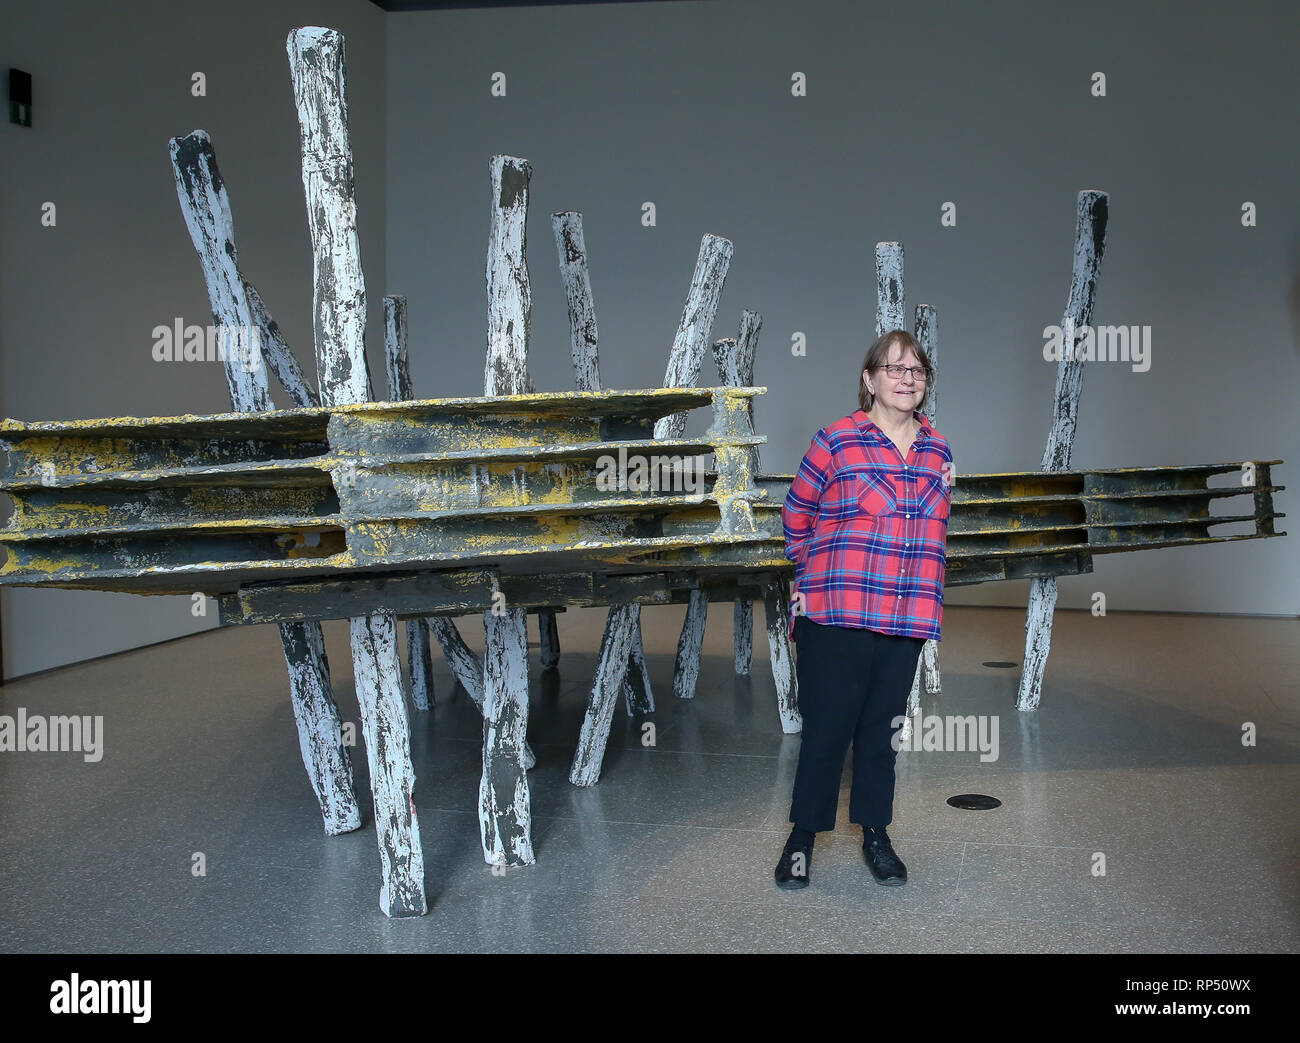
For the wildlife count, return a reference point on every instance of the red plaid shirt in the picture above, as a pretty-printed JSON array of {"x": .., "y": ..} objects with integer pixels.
[{"x": 867, "y": 532}]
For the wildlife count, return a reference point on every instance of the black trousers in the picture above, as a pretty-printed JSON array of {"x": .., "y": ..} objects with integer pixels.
[{"x": 852, "y": 684}]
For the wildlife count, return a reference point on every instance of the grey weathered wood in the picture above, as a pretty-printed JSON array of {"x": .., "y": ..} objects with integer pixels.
[
  {"x": 505, "y": 818},
  {"x": 1092, "y": 210},
  {"x": 320, "y": 730},
  {"x": 751, "y": 324},
  {"x": 397, "y": 363},
  {"x": 930, "y": 666},
  {"x": 1091, "y": 215},
  {"x": 743, "y": 643},
  {"x": 890, "y": 306},
  {"x": 638, "y": 695},
  {"x": 279, "y": 356},
  {"x": 776, "y": 603},
  {"x": 735, "y": 362},
  {"x": 576, "y": 278},
  {"x": 690, "y": 643},
  {"x": 419, "y": 663},
  {"x": 384, "y": 723},
  {"x": 510, "y": 301},
  {"x": 397, "y": 368},
  {"x": 1039, "y": 614},
  {"x": 927, "y": 335},
  {"x": 316, "y": 61},
  {"x": 926, "y": 331},
  {"x": 505, "y": 815},
  {"x": 684, "y": 362},
  {"x": 206, "y": 207},
  {"x": 465, "y": 665},
  {"x": 696, "y": 325},
  {"x": 548, "y": 639},
  {"x": 611, "y": 670},
  {"x": 584, "y": 341},
  {"x": 510, "y": 311}
]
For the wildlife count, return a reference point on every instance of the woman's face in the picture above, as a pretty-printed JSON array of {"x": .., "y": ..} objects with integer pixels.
[{"x": 905, "y": 392}]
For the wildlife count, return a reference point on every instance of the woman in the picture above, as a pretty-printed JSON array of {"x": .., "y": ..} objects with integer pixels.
[{"x": 866, "y": 522}]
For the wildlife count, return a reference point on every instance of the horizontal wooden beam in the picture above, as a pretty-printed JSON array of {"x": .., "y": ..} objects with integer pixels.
[{"x": 316, "y": 513}]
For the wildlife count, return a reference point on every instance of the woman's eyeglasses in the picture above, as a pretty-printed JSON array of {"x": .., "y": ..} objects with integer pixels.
[{"x": 918, "y": 372}]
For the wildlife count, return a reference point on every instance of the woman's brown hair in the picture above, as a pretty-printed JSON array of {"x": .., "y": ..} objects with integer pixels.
[{"x": 878, "y": 355}]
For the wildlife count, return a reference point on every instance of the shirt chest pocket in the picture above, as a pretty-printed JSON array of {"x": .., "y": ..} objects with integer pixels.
[
  {"x": 936, "y": 497},
  {"x": 875, "y": 493},
  {"x": 856, "y": 498}
]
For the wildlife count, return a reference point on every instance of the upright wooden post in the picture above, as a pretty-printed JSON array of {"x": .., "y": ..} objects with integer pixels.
[
  {"x": 927, "y": 335},
  {"x": 891, "y": 309},
  {"x": 576, "y": 277},
  {"x": 466, "y": 666},
  {"x": 890, "y": 305},
  {"x": 583, "y": 337},
  {"x": 776, "y": 606},
  {"x": 620, "y": 661},
  {"x": 1092, "y": 211},
  {"x": 689, "y": 345},
  {"x": 206, "y": 208},
  {"x": 735, "y": 362},
  {"x": 510, "y": 301},
  {"x": 638, "y": 696},
  {"x": 742, "y": 628},
  {"x": 203, "y": 199},
  {"x": 505, "y": 817},
  {"x": 419, "y": 658},
  {"x": 611, "y": 665},
  {"x": 316, "y": 61},
  {"x": 684, "y": 362},
  {"x": 278, "y": 355},
  {"x": 620, "y": 648},
  {"x": 690, "y": 644},
  {"x": 548, "y": 639}
]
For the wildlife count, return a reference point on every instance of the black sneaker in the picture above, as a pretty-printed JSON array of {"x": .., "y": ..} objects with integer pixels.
[
  {"x": 792, "y": 870},
  {"x": 885, "y": 865}
]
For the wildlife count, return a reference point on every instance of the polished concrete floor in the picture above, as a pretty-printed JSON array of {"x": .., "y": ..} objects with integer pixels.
[{"x": 1133, "y": 764}]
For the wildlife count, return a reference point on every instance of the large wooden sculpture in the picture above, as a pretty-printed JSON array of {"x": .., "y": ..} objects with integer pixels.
[{"x": 425, "y": 510}]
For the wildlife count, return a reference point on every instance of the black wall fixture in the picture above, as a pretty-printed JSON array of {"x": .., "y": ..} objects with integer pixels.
[{"x": 20, "y": 97}]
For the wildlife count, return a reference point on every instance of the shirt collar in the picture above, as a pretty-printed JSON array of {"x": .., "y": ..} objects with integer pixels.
[{"x": 865, "y": 423}]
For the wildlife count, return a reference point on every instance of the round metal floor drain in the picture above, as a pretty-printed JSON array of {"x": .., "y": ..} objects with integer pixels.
[
  {"x": 974, "y": 802},
  {"x": 1000, "y": 665}
]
